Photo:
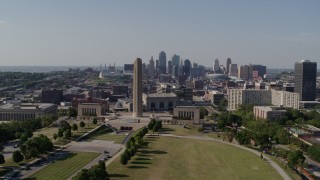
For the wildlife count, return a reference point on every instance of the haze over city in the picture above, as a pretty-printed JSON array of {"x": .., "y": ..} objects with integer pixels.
[{"x": 87, "y": 33}]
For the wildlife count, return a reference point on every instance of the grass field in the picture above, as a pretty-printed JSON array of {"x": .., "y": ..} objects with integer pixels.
[
  {"x": 174, "y": 158},
  {"x": 107, "y": 135},
  {"x": 64, "y": 168},
  {"x": 49, "y": 131},
  {"x": 46, "y": 131},
  {"x": 179, "y": 130}
]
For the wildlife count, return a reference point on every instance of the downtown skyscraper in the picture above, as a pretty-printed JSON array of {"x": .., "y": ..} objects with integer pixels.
[
  {"x": 151, "y": 68},
  {"x": 162, "y": 63},
  {"x": 228, "y": 65},
  {"x": 305, "y": 76}
]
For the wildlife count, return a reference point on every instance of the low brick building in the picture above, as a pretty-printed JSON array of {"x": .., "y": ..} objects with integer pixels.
[{"x": 190, "y": 113}]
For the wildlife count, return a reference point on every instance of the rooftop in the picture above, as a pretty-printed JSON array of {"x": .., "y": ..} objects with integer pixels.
[
  {"x": 161, "y": 95},
  {"x": 26, "y": 106}
]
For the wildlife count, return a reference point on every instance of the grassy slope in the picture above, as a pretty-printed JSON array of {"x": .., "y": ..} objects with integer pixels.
[
  {"x": 173, "y": 158},
  {"x": 64, "y": 168},
  {"x": 106, "y": 134}
]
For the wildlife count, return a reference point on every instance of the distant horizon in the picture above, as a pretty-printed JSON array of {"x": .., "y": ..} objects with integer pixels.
[
  {"x": 147, "y": 62},
  {"x": 30, "y": 68}
]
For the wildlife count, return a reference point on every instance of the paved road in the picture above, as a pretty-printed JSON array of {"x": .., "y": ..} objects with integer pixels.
[
  {"x": 9, "y": 149},
  {"x": 115, "y": 156},
  {"x": 283, "y": 174}
]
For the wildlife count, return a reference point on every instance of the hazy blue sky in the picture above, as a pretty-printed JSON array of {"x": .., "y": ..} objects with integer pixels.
[{"x": 275, "y": 33}]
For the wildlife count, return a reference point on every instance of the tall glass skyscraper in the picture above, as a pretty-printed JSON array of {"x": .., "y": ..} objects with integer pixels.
[
  {"x": 162, "y": 63},
  {"x": 305, "y": 77},
  {"x": 187, "y": 67}
]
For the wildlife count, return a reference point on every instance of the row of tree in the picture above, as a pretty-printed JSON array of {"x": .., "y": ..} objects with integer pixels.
[
  {"x": 70, "y": 112},
  {"x": 65, "y": 129},
  {"x": 154, "y": 125},
  {"x": 96, "y": 172},
  {"x": 263, "y": 133},
  {"x": 133, "y": 145}
]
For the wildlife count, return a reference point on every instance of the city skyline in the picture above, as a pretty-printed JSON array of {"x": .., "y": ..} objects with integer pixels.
[{"x": 275, "y": 34}]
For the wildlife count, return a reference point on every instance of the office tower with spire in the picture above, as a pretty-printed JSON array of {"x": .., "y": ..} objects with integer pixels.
[
  {"x": 137, "y": 88},
  {"x": 216, "y": 66},
  {"x": 228, "y": 65}
]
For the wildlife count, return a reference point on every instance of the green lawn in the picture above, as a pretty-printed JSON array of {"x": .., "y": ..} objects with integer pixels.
[
  {"x": 178, "y": 130},
  {"x": 48, "y": 131},
  {"x": 107, "y": 135},
  {"x": 175, "y": 158},
  {"x": 64, "y": 168}
]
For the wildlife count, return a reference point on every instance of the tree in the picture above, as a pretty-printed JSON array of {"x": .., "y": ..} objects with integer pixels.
[
  {"x": 17, "y": 156},
  {"x": 55, "y": 136},
  {"x": 314, "y": 153},
  {"x": 18, "y": 135},
  {"x": 82, "y": 124},
  {"x": 29, "y": 133},
  {"x": 94, "y": 121},
  {"x": 131, "y": 152},
  {"x": 23, "y": 138},
  {"x": 67, "y": 133},
  {"x": 35, "y": 146},
  {"x": 96, "y": 172},
  {"x": 2, "y": 159},
  {"x": 130, "y": 143},
  {"x": 124, "y": 159},
  {"x": 139, "y": 141},
  {"x": 72, "y": 112},
  {"x": 145, "y": 130},
  {"x": 60, "y": 132},
  {"x": 62, "y": 112},
  {"x": 295, "y": 158},
  {"x": 203, "y": 112},
  {"x": 223, "y": 102},
  {"x": 74, "y": 127},
  {"x": 82, "y": 175},
  {"x": 282, "y": 136},
  {"x": 157, "y": 126},
  {"x": 151, "y": 124},
  {"x": 243, "y": 137}
]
